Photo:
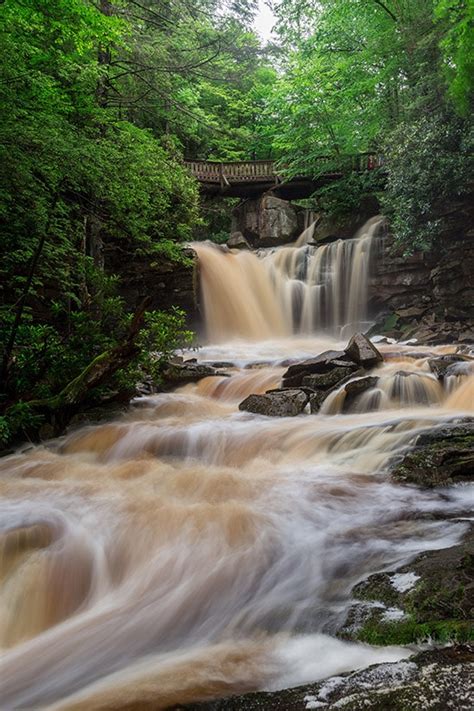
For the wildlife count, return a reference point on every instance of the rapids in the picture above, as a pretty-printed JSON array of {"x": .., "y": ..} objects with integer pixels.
[{"x": 188, "y": 550}]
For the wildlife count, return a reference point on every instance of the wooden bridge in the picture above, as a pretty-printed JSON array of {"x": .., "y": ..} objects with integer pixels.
[{"x": 252, "y": 178}]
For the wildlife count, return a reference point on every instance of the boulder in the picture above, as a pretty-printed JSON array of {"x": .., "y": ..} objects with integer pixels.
[
  {"x": 316, "y": 400},
  {"x": 362, "y": 351},
  {"x": 440, "y": 456},
  {"x": 188, "y": 372},
  {"x": 320, "y": 364},
  {"x": 326, "y": 381},
  {"x": 441, "y": 364},
  {"x": 354, "y": 388},
  {"x": 266, "y": 222},
  {"x": 278, "y": 221},
  {"x": 238, "y": 241},
  {"x": 276, "y": 403}
]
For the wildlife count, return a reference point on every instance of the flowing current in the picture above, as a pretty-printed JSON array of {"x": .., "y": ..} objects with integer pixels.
[{"x": 188, "y": 550}]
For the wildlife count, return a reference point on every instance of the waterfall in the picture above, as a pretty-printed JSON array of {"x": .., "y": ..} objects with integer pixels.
[{"x": 300, "y": 288}]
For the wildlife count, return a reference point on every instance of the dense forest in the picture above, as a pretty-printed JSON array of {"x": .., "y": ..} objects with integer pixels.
[{"x": 101, "y": 100}]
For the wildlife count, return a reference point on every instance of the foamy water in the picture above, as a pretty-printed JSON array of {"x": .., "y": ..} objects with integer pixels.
[{"x": 190, "y": 550}]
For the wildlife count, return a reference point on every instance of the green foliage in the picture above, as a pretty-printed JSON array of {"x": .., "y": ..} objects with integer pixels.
[
  {"x": 428, "y": 163},
  {"x": 164, "y": 333},
  {"x": 343, "y": 197},
  {"x": 457, "y": 44},
  {"x": 216, "y": 220},
  {"x": 78, "y": 178},
  {"x": 361, "y": 75}
]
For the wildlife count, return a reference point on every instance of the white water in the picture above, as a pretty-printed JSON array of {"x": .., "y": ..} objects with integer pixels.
[
  {"x": 300, "y": 288},
  {"x": 189, "y": 550}
]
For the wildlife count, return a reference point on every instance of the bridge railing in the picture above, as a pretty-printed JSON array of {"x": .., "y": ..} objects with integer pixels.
[
  {"x": 270, "y": 171},
  {"x": 241, "y": 171}
]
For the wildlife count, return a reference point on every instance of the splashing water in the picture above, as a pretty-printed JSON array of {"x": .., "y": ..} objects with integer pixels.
[{"x": 189, "y": 550}]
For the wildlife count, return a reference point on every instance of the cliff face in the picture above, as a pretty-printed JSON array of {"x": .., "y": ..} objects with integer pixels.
[
  {"x": 167, "y": 283},
  {"x": 428, "y": 295}
]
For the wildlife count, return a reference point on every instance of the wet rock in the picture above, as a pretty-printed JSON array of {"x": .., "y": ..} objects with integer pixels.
[
  {"x": 440, "y": 365},
  {"x": 354, "y": 388},
  {"x": 440, "y": 457},
  {"x": 362, "y": 351},
  {"x": 433, "y": 680},
  {"x": 238, "y": 241},
  {"x": 411, "y": 312},
  {"x": 322, "y": 363},
  {"x": 145, "y": 387},
  {"x": 316, "y": 400},
  {"x": 325, "y": 381},
  {"x": 188, "y": 372},
  {"x": 432, "y": 596},
  {"x": 277, "y": 403}
]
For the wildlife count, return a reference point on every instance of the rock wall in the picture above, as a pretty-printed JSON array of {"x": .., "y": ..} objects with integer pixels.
[
  {"x": 167, "y": 283},
  {"x": 428, "y": 295}
]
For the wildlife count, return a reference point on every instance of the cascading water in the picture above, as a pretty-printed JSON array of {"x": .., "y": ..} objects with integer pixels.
[
  {"x": 300, "y": 288},
  {"x": 189, "y": 550}
]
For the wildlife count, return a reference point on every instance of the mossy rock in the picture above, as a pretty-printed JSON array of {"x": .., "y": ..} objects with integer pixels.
[
  {"x": 439, "y": 604},
  {"x": 440, "y": 457}
]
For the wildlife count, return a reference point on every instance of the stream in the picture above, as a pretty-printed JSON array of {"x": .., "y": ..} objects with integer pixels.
[{"x": 189, "y": 550}]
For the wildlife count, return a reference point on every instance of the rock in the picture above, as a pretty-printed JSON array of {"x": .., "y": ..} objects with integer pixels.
[
  {"x": 432, "y": 680},
  {"x": 411, "y": 312},
  {"x": 188, "y": 372},
  {"x": 320, "y": 364},
  {"x": 362, "y": 351},
  {"x": 438, "y": 281},
  {"x": 325, "y": 381},
  {"x": 440, "y": 365},
  {"x": 166, "y": 282},
  {"x": 316, "y": 400},
  {"x": 277, "y": 403},
  {"x": 278, "y": 221},
  {"x": 266, "y": 222},
  {"x": 466, "y": 336},
  {"x": 440, "y": 457},
  {"x": 433, "y": 595},
  {"x": 238, "y": 241},
  {"x": 145, "y": 387},
  {"x": 354, "y": 388}
]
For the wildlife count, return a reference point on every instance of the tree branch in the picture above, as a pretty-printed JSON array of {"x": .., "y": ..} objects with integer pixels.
[{"x": 386, "y": 9}]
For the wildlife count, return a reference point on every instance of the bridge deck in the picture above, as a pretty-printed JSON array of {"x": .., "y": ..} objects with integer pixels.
[{"x": 248, "y": 178}]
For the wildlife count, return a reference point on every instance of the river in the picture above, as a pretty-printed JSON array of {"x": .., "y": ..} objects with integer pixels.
[{"x": 189, "y": 550}]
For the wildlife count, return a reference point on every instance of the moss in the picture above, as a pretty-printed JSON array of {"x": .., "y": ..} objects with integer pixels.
[
  {"x": 410, "y": 631},
  {"x": 390, "y": 323},
  {"x": 439, "y": 601}
]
